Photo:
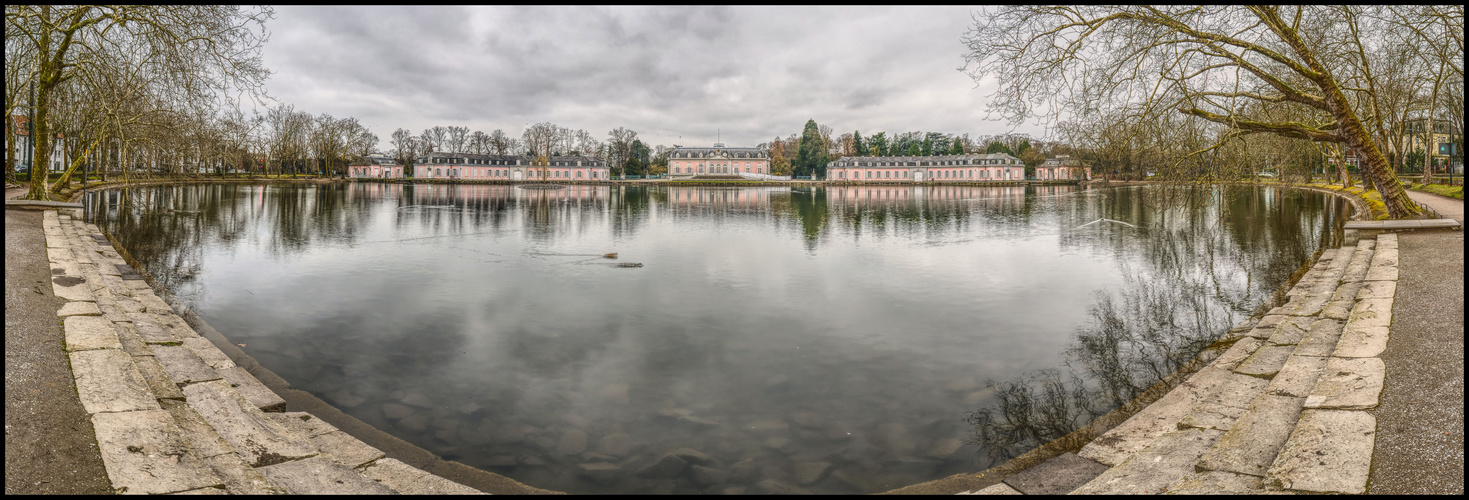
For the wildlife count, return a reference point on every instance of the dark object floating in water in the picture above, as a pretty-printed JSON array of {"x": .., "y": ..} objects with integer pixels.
[
  {"x": 629, "y": 264},
  {"x": 612, "y": 255}
]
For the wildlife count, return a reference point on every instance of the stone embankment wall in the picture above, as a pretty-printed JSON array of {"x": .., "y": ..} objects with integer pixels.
[
  {"x": 1281, "y": 411},
  {"x": 173, "y": 414}
]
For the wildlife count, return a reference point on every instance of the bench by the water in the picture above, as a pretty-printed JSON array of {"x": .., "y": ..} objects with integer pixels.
[{"x": 1388, "y": 225}]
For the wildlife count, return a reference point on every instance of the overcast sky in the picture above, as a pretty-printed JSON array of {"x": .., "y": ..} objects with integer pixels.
[{"x": 675, "y": 75}]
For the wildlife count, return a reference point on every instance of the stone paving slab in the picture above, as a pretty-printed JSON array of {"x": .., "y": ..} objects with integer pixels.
[
  {"x": 1153, "y": 469},
  {"x": 1211, "y": 416},
  {"x": 1338, "y": 309},
  {"x": 1359, "y": 265},
  {"x": 149, "y": 329},
  {"x": 1371, "y": 312},
  {"x": 131, "y": 342},
  {"x": 89, "y": 332},
  {"x": 1309, "y": 304},
  {"x": 1251, "y": 445},
  {"x": 1385, "y": 257},
  {"x": 344, "y": 449},
  {"x": 1241, "y": 350},
  {"x": 1216, "y": 483},
  {"x": 1297, "y": 377},
  {"x": 144, "y": 453},
  {"x": 995, "y": 489},
  {"x": 153, "y": 304},
  {"x": 206, "y": 351},
  {"x": 128, "y": 305},
  {"x": 79, "y": 309},
  {"x": 320, "y": 476},
  {"x": 1377, "y": 290},
  {"x": 254, "y": 391},
  {"x": 1056, "y": 476},
  {"x": 240, "y": 479},
  {"x": 1362, "y": 342},
  {"x": 1387, "y": 240},
  {"x": 1214, "y": 385},
  {"x": 409, "y": 480},
  {"x": 1274, "y": 317},
  {"x": 1291, "y": 330},
  {"x": 1321, "y": 339},
  {"x": 205, "y": 441},
  {"x": 1348, "y": 383},
  {"x": 302, "y": 423},
  {"x": 1266, "y": 361},
  {"x": 1329, "y": 452},
  {"x": 182, "y": 365},
  {"x": 1211, "y": 385},
  {"x": 158, "y": 381},
  {"x": 76, "y": 291},
  {"x": 254, "y": 436},
  {"x": 107, "y": 381},
  {"x": 1382, "y": 274}
]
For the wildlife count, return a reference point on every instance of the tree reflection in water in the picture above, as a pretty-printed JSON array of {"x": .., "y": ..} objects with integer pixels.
[{"x": 1208, "y": 257}]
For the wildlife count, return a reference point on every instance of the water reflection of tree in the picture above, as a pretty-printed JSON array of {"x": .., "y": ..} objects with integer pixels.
[
  {"x": 165, "y": 228},
  {"x": 1199, "y": 266}
]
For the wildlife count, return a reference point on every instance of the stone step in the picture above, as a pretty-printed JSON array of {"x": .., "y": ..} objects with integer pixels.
[
  {"x": 173, "y": 414},
  {"x": 1300, "y": 378}
]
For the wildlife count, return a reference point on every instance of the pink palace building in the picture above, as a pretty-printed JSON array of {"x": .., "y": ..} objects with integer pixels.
[
  {"x": 1062, "y": 167},
  {"x": 718, "y": 160},
  {"x": 942, "y": 168},
  {"x": 377, "y": 167},
  {"x": 476, "y": 167}
]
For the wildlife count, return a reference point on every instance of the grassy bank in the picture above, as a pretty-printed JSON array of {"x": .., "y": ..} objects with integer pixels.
[{"x": 1455, "y": 192}]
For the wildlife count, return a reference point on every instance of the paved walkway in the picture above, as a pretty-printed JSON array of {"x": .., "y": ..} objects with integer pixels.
[
  {"x": 1420, "y": 424},
  {"x": 49, "y": 444},
  {"x": 1354, "y": 385}
]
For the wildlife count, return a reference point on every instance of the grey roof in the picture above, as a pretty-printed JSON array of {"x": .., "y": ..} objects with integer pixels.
[
  {"x": 924, "y": 161},
  {"x": 1061, "y": 161},
  {"x": 525, "y": 159},
  {"x": 710, "y": 152}
]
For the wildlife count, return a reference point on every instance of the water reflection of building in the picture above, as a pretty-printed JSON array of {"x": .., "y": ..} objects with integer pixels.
[
  {"x": 376, "y": 167},
  {"x": 988, "y": 195},
  {"x": 942, "y": 168},
  {"x": 744, "y": 197},
  {"x": 475, "y": 167}
]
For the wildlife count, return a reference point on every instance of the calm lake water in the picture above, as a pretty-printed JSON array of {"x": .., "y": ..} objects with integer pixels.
[{"x": 835, "y": 339}]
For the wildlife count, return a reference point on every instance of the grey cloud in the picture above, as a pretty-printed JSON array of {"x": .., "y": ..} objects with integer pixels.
[{"x": 752, "y": 72}]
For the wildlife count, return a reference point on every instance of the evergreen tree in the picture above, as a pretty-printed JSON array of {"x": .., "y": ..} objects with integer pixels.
[
  {"x": 811, "y": 154},
  {"x": 940, "y": 143},
  {"x": 958, "y": 147},
  {"x": 926, "y": 149},
  {"x": 996, "y": 147},
  {"x": 915, "y": 150},
  {"x": 879, "y": 144},
  {"x": 857, "y": 144}
]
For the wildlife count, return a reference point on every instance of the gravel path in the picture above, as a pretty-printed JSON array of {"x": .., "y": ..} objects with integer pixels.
[
  {"x": 1420, "y": 440},
  {"x": 49, "y": 444}
]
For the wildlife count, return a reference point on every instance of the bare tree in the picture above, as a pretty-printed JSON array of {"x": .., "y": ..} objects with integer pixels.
[
  {"x": 619, "y": 147},
  {"x": 200, "y": 52},
  {"x": 1202, "y": 61},
  {"x": 456, "y": 138},
  {"x": 500, "y": 143},
  {"x": 479, "y": 143}
]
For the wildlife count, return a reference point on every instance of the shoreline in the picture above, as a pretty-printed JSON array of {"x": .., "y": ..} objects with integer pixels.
[{"x": 1071, "y": 442}]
